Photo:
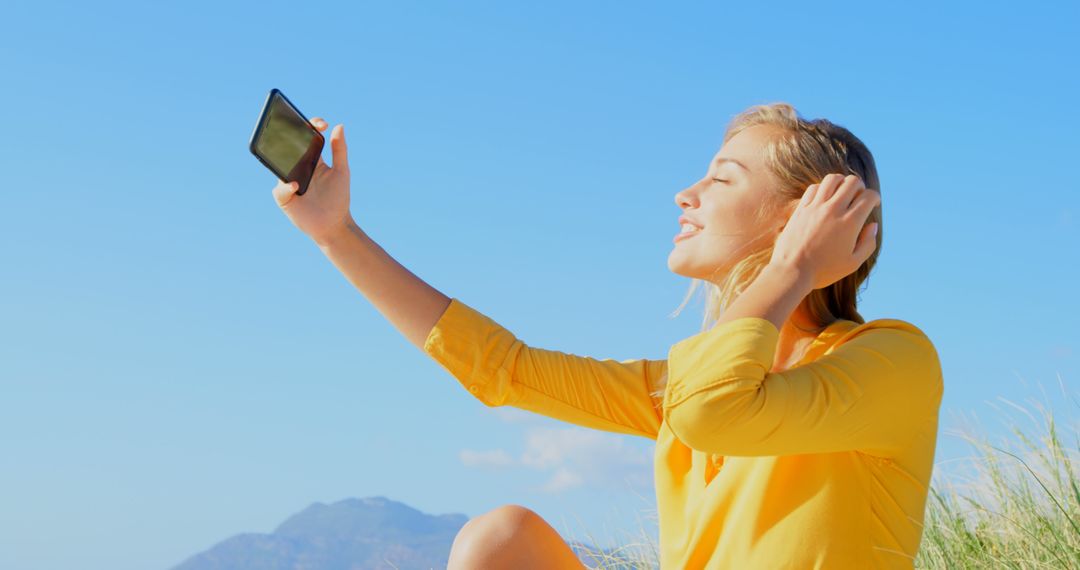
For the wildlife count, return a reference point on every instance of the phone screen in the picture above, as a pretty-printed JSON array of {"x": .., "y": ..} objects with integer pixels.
[{"x": 286, "y": 142}]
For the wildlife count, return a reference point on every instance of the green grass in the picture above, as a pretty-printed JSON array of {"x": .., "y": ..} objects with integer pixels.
[{"x": 1011, "y": 504}]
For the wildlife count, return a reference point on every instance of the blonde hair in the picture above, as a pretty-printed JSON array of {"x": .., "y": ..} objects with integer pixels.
[{"x": 800, "y": 154}]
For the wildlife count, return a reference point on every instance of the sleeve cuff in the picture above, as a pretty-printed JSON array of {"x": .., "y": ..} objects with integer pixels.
[{"x": 472, "y": 348}]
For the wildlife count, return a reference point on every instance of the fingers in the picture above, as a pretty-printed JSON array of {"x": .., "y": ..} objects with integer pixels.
[
  {"x": 845, "y": 192},
  {"x": 849, "y": 188},
  {"x": 337, "y": 143},
  {"x": 829, "y": 186},
  {"x": 339, "y": 151},
  {"x": 862, "y": 204},
  {"x": 867, "y": 242},
  {"x": 284, "y": 192},
  {"x": 819, "y": 193}
]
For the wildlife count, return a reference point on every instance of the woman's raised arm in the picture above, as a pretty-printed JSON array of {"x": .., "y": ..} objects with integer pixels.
[
  {"x": 322, "y": 213},
  {"x": 487, "y": 359},
  {"x": 407, "y": 301}
]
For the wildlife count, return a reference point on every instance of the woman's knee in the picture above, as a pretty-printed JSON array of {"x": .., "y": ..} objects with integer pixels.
[{"x": 488, "y": 540}]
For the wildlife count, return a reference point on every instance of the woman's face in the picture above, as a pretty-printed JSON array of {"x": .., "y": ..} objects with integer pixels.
[{"x": 723, "y": 205}]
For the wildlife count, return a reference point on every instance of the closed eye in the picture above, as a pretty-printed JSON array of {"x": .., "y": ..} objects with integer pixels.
[{"x": 718, "y": 180}]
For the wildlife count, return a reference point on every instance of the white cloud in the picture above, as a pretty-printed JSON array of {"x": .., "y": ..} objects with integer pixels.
[
  {"x": 575, "y": 457},
  {"x": 595, "y": 458},
  {"x": 563, "y": 479},
  {"x": 491, "y": 458}
]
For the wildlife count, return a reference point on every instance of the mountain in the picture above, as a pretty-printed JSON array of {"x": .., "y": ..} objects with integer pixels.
[{"x": 352, "y": 534}]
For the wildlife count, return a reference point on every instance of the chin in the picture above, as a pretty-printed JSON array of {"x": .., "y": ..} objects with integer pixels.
[
  {"x": 705, "y": 272},
  {"x": 678, "y": 272},
  {"x": 678, "y": 267},
  {"x": 674, "y": 264}
]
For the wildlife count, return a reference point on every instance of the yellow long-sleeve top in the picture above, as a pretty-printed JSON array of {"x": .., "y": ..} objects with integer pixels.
[{"x": 824, "y": 465}]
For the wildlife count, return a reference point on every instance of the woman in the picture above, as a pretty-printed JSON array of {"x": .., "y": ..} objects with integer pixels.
[{"x": 790, "y": 433}]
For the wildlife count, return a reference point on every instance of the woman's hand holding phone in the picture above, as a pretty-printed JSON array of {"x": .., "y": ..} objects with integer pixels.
[{"x": 323, "y": 211}]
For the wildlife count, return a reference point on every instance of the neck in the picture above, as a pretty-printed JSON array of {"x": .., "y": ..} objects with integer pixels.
[{"x": 794, "y": 341}]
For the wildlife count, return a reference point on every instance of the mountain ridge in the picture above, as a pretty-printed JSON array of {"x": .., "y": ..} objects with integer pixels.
[{"x": 374, "y": 532}]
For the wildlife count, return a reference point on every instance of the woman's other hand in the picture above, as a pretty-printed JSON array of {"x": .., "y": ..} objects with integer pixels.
[
  {"x": 827, "y": 237},
  {"x": 323, "y": 210}
]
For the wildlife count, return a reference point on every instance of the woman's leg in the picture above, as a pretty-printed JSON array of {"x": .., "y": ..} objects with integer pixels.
[{"x": 510, "y": 537}]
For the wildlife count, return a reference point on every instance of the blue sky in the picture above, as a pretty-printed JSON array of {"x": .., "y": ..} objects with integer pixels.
[{"x": 178, "y": 363}]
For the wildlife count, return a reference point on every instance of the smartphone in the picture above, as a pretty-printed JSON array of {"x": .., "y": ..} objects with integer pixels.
[{"x": 285, "y": 141}]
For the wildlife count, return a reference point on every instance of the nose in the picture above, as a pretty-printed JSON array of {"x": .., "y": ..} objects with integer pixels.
[{"x": 686, "y": 198}]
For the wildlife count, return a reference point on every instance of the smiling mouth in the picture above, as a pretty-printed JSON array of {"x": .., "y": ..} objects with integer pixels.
[{"x": 684, "y": 235}]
